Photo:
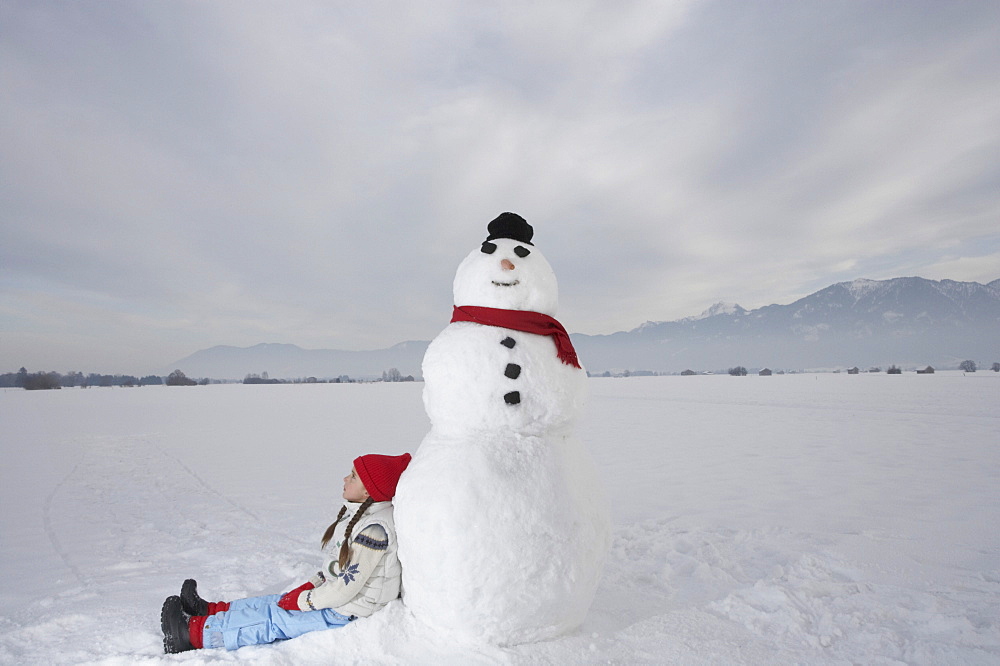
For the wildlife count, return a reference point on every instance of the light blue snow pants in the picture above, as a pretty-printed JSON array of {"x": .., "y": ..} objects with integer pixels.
[{"x": 260, "y": 620}]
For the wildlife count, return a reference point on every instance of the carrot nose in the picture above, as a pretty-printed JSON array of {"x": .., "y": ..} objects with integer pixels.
[{"x": 507, "y": 265}]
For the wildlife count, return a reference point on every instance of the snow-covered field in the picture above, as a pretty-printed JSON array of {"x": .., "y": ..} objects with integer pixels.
[{"x": 763, "y": 520}]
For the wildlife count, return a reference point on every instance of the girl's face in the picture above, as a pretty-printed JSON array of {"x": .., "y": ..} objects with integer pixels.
[{"x": 354, "y": 490}]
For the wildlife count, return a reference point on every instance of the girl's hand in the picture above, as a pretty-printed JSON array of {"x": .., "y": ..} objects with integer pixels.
[{"x": 290, "y": 600}]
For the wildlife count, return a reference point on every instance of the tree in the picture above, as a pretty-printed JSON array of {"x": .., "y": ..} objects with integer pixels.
[
  {"x": 73, "y": 378},
  {"x": 738, "y": 371},
  {"x": 178, "y": 378},
  {"x": 996, "y": 367},
  {"x": 893, "y": 370},
  {"x": 254, "y": 378},
  {"x": 42, "y": 381},
  {"x": 392, "y": 375},
  {"x": 967, "y": 366}
]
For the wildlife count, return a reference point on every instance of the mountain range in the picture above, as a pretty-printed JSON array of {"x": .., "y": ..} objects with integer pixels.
[{"x": 909, "y": 322}]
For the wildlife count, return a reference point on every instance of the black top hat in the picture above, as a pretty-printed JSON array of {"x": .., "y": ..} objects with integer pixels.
[{"x": 510, "y": 225}]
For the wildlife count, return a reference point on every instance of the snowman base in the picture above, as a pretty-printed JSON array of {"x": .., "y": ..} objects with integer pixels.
[{"x": 502, "y": 538}]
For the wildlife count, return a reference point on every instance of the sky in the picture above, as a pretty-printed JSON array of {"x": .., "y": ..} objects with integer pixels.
[{"x": 179, "y": 175}]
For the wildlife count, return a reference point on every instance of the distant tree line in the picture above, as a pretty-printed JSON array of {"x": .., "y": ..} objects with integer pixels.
[
  {"x": 264, "y": 378},
  {"x": 260, "y": 379},
  {"x": 394, "y": 375},
  {"x": 178, "y": 378},
  {"x": 53, "y": 380},
  {"x": 390, "y": 375},
  {"x": 741, "y": 371}
]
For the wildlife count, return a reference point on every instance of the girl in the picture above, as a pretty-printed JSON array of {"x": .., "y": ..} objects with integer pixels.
[{"x": 360, "y": 576}]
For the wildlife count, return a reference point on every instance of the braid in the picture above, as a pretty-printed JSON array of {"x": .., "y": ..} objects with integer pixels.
[
  {"x": 329, "y": 531},
  {"x": 345, "y": 548}
]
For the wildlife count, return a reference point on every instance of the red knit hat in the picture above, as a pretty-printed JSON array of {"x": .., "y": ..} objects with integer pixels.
[{"x": 380, "y": 474}]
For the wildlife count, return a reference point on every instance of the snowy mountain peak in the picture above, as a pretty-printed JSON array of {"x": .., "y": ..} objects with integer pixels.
[
  {"x": 863, "y": 287},
  {"x": 721, "y": 308},
  {"x": 907, "y": 320}
]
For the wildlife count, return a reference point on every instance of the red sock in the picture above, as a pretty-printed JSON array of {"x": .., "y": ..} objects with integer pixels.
[
  {"x": 196, "y": 631},
  {"x": 217, "y": 607}
]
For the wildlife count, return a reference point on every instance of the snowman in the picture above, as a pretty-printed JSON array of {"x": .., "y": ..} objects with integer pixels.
[{"x": 502, "y": 526}]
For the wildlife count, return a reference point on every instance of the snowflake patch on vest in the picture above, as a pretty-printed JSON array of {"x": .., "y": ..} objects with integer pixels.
[{"x": 348, "y": 573}]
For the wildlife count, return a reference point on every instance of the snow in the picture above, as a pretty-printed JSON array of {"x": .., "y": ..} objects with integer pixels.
[
  {"x": 528, "y": 284},
  {"x": 818, "y": 519},
  {"x": 861, "y": 287},
  {"x": 463, "y": 370},
  {"x": 720, "y": 308}
]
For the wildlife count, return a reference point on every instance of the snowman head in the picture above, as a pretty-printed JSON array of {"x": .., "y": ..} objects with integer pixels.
[{"x": 507, "y": 271}]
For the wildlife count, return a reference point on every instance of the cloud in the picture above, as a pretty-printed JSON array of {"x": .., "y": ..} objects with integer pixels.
[{"x": 237, "y": 172}]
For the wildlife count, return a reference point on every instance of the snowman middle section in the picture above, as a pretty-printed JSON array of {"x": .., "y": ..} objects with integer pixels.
[{"x": 485, "y": 378}]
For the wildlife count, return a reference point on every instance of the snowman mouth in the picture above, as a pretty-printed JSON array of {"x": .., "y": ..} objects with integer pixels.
[{"x": 506, "y": 284}]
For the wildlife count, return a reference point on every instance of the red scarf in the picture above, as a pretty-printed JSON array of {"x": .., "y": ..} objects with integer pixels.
[{"x": 521, "y": 320}]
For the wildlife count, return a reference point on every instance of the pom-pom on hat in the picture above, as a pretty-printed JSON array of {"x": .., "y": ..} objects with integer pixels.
[
  {"x": 510, "y": 225},
  {"x": 380, "y": 474}
]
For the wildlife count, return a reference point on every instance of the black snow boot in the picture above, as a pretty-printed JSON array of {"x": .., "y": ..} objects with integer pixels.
[
  {"x": 175, "y": 627},
  {"x": 191, "y": 602}
]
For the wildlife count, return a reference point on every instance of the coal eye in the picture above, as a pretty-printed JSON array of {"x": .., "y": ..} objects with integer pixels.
[
  {"x": 489, "y": 248},
  {"x": 522, "y": 251}
]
